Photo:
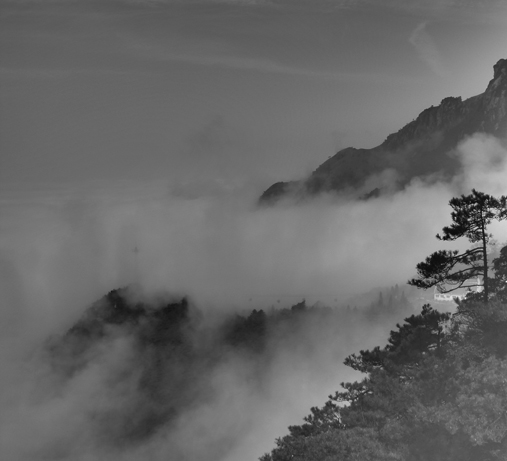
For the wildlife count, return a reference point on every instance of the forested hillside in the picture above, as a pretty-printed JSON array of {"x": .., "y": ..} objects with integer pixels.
[
  {"x": 438, "y": 390},
  {"x": 154, "y": 366}
]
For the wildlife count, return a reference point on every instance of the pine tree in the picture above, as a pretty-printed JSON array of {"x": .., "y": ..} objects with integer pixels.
[{"x": 450, "y": 270}]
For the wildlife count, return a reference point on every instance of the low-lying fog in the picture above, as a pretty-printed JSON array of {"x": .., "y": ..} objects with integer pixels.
[{"x": 62, "y": 249}]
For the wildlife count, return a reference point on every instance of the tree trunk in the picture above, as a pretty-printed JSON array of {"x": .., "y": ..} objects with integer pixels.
[{"x": 485, "y": 261}]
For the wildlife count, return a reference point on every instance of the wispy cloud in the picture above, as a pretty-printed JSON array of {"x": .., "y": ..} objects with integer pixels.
[
  {"x": 15, "y": 73},
  {"x": 453, "y": 10},
  {"x": 466, "y": 11},
  {"x": 260, "y": 65},
  {"x": 427, "y": 49},
  {"x": 215, "y": 54},
  {"x": 448, "y": 10}
]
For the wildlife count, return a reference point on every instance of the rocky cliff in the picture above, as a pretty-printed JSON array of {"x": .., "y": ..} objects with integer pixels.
[{"x": 420, "y": 148}]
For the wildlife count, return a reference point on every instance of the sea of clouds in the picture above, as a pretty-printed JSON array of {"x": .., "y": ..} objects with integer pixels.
[{"x": 63, "y": 248}]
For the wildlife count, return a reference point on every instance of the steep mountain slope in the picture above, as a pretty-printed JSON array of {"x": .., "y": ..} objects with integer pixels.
[
  {"x": 420, "y": 148},
  {"x": 142, "y": 356},
  {"x": 142, "y": 372}
]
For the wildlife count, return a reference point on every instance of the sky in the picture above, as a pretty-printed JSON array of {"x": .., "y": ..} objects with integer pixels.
[{"x": 223, "y": 93}]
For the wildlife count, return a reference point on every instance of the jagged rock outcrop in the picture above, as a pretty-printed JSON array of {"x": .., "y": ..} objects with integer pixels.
[{"x": 419, "y": 149}]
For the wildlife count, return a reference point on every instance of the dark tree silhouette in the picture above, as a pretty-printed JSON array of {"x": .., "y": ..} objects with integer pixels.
[
  {"x": 450, "y": 270},
  {"x": 499, "y": 283}
]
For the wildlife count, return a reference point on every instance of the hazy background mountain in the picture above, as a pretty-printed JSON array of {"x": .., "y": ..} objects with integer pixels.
[{"x": 423, "y": 148}]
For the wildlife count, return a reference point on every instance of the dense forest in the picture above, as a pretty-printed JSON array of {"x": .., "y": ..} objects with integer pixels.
[{"x": 438, "y": 390}]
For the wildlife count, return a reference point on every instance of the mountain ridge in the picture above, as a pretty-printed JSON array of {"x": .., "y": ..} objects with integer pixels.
[{"x": 418, "y": 149}]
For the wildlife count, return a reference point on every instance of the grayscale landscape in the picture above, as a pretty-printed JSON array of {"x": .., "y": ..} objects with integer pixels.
[{"x": 217, "y": 230}]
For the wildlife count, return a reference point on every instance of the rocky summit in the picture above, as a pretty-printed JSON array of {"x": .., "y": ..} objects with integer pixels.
[{"x": 421, "y": 148}]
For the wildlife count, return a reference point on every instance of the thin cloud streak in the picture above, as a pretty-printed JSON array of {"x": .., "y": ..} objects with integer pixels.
[
  {"x": 471, "y": 8},
  {"x": 266, "y": 66},
  {"x": 56, "y": 73},
  {"x": 247, "y": 64},
  {"x": 216, "y": 57},
  {"x": 427, "y": 49},
  {"x": 454, "y": 10},
  {"x": 465, "y": 11}
]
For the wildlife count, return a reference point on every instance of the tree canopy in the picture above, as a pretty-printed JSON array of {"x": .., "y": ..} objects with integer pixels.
[
  {"x": 437, "y": 390},
  {"x": 450, "y": 270}
]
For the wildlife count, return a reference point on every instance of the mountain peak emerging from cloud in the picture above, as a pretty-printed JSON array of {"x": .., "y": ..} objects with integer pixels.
[{"x": 421, "y": 148}]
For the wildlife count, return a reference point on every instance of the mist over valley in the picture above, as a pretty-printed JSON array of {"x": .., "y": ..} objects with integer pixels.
[{"x": 169, "y": 291}]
